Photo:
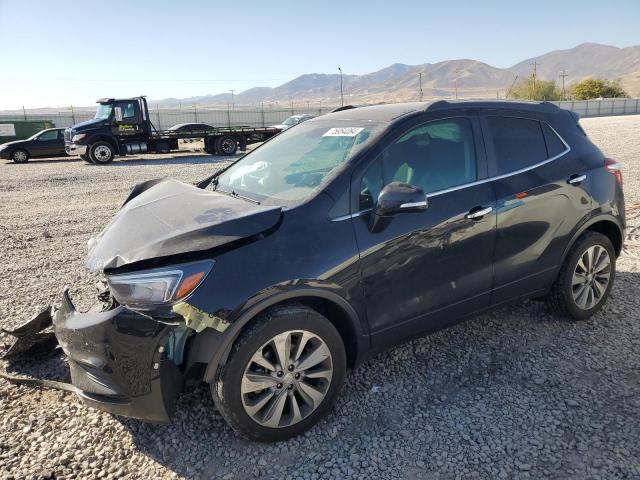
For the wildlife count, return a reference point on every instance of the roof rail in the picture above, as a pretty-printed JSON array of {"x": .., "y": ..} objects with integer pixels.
[
  {"x": 344, "y": 107},
  {"x": 506, "y": 104}
]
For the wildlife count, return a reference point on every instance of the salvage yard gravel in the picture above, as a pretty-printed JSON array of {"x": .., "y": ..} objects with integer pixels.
[{"x": 518, "y": 393}]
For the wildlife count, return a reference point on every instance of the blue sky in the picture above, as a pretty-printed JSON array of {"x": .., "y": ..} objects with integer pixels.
[{"x": 57, "y": 53}]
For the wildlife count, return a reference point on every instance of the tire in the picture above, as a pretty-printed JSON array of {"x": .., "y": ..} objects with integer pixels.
[
  {"x": 101, "y": 153},
  {"x": 227, "y": 145},
  {"x": 579, "y": 295},
  {"x": 292, "y": 321},
  {"x": 86, "y": 158},
  {"x": 20, "y": 156}
]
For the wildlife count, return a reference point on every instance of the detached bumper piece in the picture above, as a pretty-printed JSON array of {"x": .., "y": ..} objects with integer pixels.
[
  {"x": 29, "y": 336},
  {"x": 115, "y": 359}
]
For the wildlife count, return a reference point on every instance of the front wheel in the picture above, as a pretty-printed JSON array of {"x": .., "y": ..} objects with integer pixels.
[
  {"x": 586, "y": 277},
  {"x": 86, "y": 158},
  {"x": 20, "y": 156},
  {"x": 282, "y": 376},
  {"x": 101, "y": 153}
]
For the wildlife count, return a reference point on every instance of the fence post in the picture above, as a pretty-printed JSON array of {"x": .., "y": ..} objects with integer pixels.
[
  {"x": 24, "y": 112},
  {"x": 195, "y": 113},
  {"x": 73, "y": 116},
  {"x": 158, "y": 112},
  {"x": 637, "y": 101},
  {"x": 262, "y": 113},
  {"x": 228, "y": 116}
]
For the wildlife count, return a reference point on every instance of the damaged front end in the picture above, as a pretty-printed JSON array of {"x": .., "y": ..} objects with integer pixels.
[
  {"x": 120, "y": 360},
  {"x": 128, "y": 355}
]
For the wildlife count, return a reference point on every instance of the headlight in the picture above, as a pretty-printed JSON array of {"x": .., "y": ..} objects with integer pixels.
[
  {"x": 79, "y": 136},
  {"x": 148, "y": 289}
]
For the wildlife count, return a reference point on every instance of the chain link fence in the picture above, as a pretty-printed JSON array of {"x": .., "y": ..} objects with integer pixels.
[{"x": 163, "y": 118}]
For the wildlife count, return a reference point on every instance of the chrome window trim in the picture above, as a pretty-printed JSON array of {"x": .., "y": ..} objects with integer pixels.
[{"x": 478, "y": 182}]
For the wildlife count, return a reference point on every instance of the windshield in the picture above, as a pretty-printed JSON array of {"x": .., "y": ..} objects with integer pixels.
[
  {"x": 291, "y": 121},
  {"x": 290, "y": 168},
  {"x": 103, "y": 112}
]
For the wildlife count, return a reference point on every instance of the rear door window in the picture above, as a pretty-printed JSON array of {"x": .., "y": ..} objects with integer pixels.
[{"x": 518, "y": 143}]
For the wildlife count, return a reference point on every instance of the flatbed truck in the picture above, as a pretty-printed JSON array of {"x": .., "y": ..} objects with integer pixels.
[{"x": 123, "y": 127}]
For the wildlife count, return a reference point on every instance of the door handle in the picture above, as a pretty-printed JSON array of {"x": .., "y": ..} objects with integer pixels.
[
  {"x": 576, "y": 179},
  {"x": 477, "y": 213}
]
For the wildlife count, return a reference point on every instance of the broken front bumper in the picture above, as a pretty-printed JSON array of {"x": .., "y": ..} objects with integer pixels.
[{"x": 117, "y": 361}]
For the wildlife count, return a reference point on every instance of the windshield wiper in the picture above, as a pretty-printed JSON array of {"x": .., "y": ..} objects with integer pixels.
[{"x": 233, "y": 193}]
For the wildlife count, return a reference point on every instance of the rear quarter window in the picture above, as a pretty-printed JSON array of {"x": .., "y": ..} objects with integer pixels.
[
  {"x": 518, "y": 143},
  {"x": 554, "y": 145}
]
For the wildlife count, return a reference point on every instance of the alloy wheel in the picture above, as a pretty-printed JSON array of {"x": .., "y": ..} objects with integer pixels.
[
  {"x": 591, "y": 277},
  {"x": 286, "y": 379}
]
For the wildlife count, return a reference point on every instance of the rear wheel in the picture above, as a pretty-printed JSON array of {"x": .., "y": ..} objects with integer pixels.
[
  {"x": 20, "y": 156},
  {"x": 101, "y": 153},
  {"x": 586, "y": 277},
  {"x": 227, "y": 145},
  {"x": 282, "y": 375}
]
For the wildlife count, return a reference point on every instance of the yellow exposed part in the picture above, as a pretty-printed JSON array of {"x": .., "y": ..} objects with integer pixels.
[{"x": 198, "y": 319}]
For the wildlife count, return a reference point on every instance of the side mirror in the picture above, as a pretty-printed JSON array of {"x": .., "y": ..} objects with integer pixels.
[
  {"x": 396, "y": 198},
  {"x": 118, "y": 114}
]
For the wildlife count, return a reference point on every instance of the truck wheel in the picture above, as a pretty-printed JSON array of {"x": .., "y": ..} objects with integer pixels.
[
  {"x": 86, "y": 158},
  {"x": 101, "y": 153},
  {"x": 227, "y": 145},
  {"x": 20, "y": 156},
  {"x": 210, "y": 146},
  {"x": 282, "y": 376}
]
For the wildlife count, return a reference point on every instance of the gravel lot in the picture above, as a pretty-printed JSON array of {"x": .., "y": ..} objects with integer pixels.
[{"x": 514, "y": 394}]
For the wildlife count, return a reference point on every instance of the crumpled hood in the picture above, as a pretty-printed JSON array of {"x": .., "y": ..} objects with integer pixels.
[{"x": 173, "y": 217}]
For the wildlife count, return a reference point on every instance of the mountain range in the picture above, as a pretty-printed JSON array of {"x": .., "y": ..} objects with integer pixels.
[{"x": 471, "y": 78}]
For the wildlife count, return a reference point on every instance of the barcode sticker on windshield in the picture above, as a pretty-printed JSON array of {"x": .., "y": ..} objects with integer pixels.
[{"x": 343, "y": 132}]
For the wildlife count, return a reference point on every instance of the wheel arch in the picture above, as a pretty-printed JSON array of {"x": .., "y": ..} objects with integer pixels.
[
  {"x": 329, "y": 304},
  {"x": 100, "y": 137},
  {"x": 608, "y": 225}
]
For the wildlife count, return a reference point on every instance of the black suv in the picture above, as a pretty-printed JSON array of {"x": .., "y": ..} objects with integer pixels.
[{"x": 339, "y": 238}]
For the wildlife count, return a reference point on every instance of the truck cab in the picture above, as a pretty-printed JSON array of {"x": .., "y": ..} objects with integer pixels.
[{"x": 120, "y": 126}]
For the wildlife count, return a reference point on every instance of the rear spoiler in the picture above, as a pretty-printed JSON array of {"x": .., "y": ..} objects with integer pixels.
[{"x": 575, "y": 115}]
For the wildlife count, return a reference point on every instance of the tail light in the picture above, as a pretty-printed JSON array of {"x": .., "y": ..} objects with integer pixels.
[{"x": 613, "y": 167}]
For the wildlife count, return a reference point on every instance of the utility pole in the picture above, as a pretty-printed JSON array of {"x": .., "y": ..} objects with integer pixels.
[
  {"x": 232, "y": 104},
  {"x": 455, "y": 79},
  {"x": 24, "y": 112},
  {"x": 420, "y": 84},
  {"x": 563, "y": 75},
  {"x": 533, "y": 76},
  {"x": 341, "y": 93}
]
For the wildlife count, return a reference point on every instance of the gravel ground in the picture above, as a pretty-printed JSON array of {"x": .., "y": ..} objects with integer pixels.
[{"x": 514, "y": 394}]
